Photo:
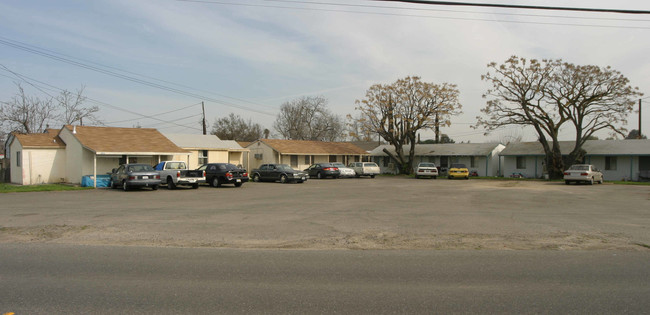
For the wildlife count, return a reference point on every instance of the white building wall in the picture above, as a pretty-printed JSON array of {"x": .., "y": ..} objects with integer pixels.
[
  {"x": 534, "y": 166},
  {"x": 74, "y": 157},
  {"x": 17, "y": 171},
  {"x": 627, "y": 167},
  {"x": 268, "y": 154}
]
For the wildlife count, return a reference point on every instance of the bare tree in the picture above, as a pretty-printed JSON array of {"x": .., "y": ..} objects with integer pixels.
[
  {"x": 357, "y": 130},
  {"x": 27, "y": 114},
  {"x": 308, "y": 118},
  {"x": 235, "y": 127},
  {"x": 399, "y": 110},
  {"x": 73, "y": 110},
  {"x": 549, "y": 93}
]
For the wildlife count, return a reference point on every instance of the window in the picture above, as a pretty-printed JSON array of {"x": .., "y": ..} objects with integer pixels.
[
  {"x": 521, "y": 162},
  {"x": 18, "y": 159},
  {"x": 332, "y": 158},
  {"x": 472, "y": 161},
  {"x": 610, "y": 163},
  {"x": 308, "y": 159},
  {"x": 386, "y": 160},
  {"x": 294, "y": 161},
  {"x": 203, "y": 157}
]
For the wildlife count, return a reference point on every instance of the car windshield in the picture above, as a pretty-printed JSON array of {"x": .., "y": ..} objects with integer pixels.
[
  {"x": 579, "y": 167},
  {"x": 338, "y": 164},
  {"x": 427, "y": 165},
  {"x": 370, "y": 164},
  {"x": 284, "y": 167},
  {"x": 458, "y": 166},
  {"x": 140, "y": 168}
]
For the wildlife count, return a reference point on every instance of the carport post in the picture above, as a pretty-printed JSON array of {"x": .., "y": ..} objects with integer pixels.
[{"x": 95, "y": 170}]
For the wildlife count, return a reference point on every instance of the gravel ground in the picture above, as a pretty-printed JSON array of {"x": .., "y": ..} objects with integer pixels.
[{"x": 381, "y": 213}]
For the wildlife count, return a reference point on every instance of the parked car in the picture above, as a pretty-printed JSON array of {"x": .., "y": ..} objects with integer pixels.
[
  {"x": 323, "y": 170},
  {"x": 278, "y": 172},
  {"x": 458, "y": 170},
  {"x": 345, "y": 171},
  {"x": 217, "y": 174},
  {"x": 365, "y": 169},
  {"x": 426, "y": 169},
  {"x": 135, "y": 175},
  {"x": 175, "y": 173},
  {"x": 586, "y": 173}
]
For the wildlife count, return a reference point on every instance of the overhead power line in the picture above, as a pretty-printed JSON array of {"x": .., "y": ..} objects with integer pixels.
[
  {"x": 37, "y": 51},
  {"x": 518, "y": 6},
  {"x": 31, "y": 81},
  {"x": 427, "y": 16}
]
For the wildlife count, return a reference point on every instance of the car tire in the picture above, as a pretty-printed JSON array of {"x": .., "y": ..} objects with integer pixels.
[
  {"x": 238, "y": 184},
  {"x": 601, "y": 180},
  {"x": 372, "y": 176},
  {"x": 195, "y": 186},
  {"x": 567, "y": 182},
  {"x": 124, "y": 186},
  {"x": 170, "y": 183},
  {"x": 591, "y": 181},
  {"x": 319, "y": 175},
  {"x": 434, "y": 177},
  {"x": 215, "y": 182},
  {"x": 154, "y": 187},
  {"x": 283, "y": 179},
  {"x": 256, "y": 178}
]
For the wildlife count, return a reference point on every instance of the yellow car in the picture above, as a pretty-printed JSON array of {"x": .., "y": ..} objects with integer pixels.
[{"x": 458, "y": 171}]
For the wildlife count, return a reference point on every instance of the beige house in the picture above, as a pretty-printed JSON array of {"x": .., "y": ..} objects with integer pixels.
[
  {"x": 32, "y": 157},
  {"x": 207, "y": 149},
  {"x": 77, "y": 151},
  {"x": 299, "y": 154}
]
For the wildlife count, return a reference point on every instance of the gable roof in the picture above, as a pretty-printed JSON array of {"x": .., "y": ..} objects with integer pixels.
[
  {"x": 307, "y": 147},
  {"x": 45, "y": 140},
  {"x": 203, "y": 142},
  {"x": 442, "y": 149},
  {"x": 592, "y": 147},
  {"x": 114, "y": 140}
]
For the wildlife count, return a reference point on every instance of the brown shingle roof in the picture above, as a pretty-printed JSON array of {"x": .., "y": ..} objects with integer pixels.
[
  {"x": 313, "y": 147},
  {"x": 49, "y": 139},
  {"x": 122, "y": 140}
]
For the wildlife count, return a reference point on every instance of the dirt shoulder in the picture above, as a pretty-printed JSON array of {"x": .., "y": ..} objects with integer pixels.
[{"x": 364, "y": 213}]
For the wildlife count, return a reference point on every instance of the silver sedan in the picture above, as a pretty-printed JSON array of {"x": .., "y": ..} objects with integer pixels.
[{"x": 586, "y": 173}]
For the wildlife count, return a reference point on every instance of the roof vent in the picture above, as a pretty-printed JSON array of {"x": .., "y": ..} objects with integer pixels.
[{"x": 74, "y": 130}]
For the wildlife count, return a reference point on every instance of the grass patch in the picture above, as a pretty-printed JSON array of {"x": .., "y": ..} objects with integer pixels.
[{"x": 7, "y": 188}]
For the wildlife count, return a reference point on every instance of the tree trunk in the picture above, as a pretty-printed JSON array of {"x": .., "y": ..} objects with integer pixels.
[{"x": 392, "y": 157}]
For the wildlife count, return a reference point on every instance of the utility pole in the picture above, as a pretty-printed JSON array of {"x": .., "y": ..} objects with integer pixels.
[
  {"x": 205, "y": 132},
  {"x": 639, "y": 135}
]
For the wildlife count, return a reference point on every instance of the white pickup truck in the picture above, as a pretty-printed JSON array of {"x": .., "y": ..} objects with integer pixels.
[{"x": 175, "y": 173}]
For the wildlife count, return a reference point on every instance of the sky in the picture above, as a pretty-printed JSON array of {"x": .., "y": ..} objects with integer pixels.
[{"x": 151, "y": 63}]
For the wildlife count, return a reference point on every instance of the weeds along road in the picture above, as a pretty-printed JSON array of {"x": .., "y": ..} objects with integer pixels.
[{"x": 380, "y": 213}]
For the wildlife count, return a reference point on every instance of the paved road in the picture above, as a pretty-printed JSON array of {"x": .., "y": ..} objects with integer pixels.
[{"x": 74, "y": 279}]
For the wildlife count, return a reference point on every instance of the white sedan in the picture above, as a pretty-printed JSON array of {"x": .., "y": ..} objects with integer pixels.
[
  {"x": 583, "y": 173},
  {"x": 345, "y": 171},
  {"x": 426, "y": 169}
]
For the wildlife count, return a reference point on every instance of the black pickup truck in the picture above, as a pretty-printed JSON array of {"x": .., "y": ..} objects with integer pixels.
[{"x": 217, "y": 174}]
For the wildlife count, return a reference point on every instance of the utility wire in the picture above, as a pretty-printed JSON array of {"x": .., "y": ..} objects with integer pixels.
[
  {"x": 26, "y": 79},
  {"x": 17, "y": 45},
  {"x": 415, "y": 15},
  {"x": 516, "y": 6}
]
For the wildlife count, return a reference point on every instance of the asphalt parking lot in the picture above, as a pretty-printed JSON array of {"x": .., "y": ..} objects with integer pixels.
[{"x": 356, "y": 213}]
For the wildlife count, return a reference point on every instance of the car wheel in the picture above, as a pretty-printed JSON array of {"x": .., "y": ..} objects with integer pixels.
[
  {"x": 591, "y": 181},
  {"x": 467, "y": 177},
  {"x": 319, "y": 175},
  {"x": 448, "y": 177},
  {"x": 170, "y": 183},
  {"x": 357, "y": 175},
  {"x": 154, "y": 187},
  {"x": 215, "y": 182},
  {"x": 601, "y": 180},
  {"x": 567, "y": 182},
  {"x": 195, "y": 186},
  {"x": 238, "y": 184},
  {"x": 256, "y": 178},
  {"x": 283, "y": 179},
  {"x": 416, "y": 177},
  {"x": 124, "y": 186},
  {"x": 434, "y": 177},
  {"x": 372, "y": 176}
]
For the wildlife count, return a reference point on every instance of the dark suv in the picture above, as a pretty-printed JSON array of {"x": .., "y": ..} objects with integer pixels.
[{"x": 217, "y": 174}]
